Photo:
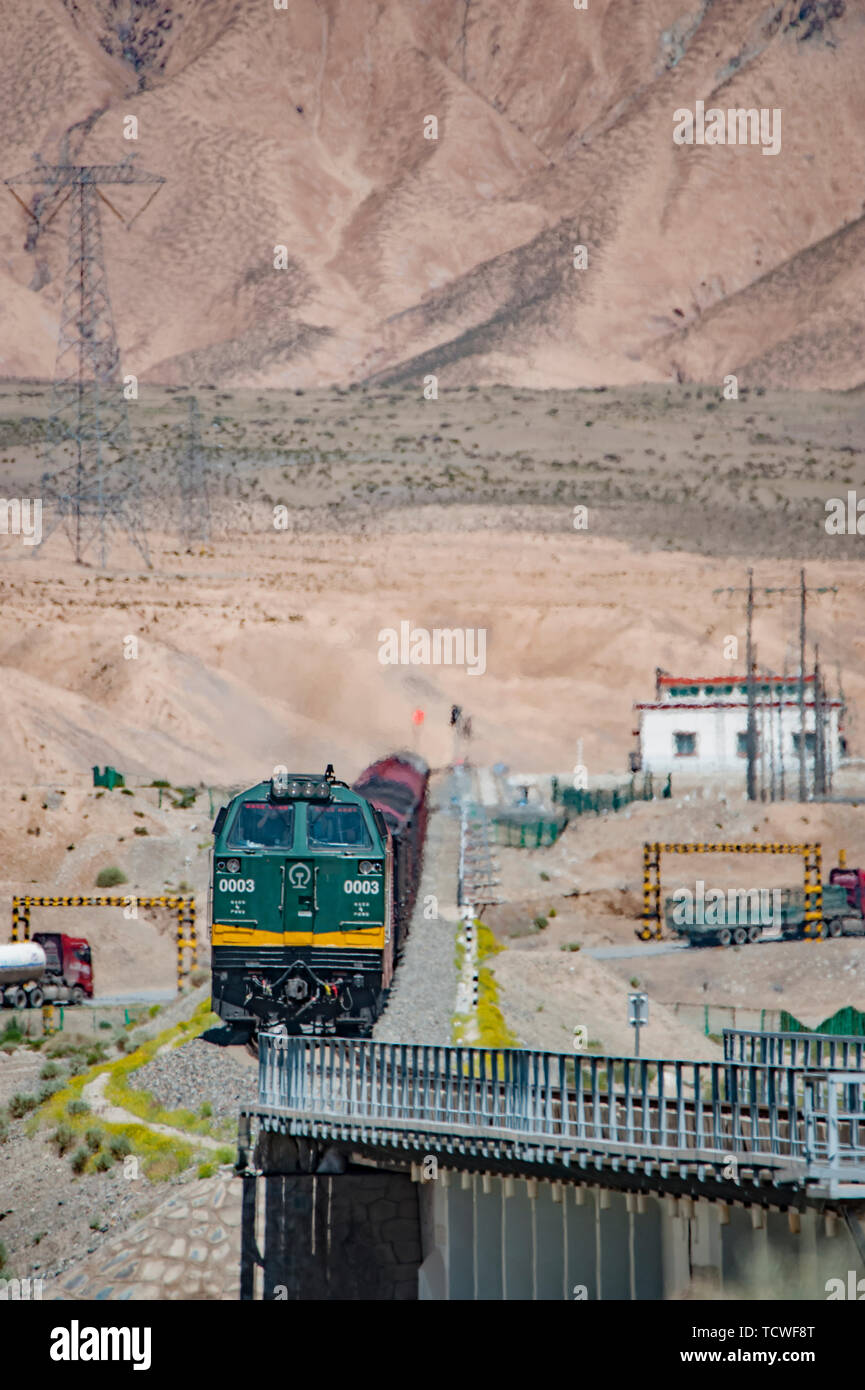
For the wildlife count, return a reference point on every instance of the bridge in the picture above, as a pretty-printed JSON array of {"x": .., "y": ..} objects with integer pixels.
[{"x": 400, "y": 1171}]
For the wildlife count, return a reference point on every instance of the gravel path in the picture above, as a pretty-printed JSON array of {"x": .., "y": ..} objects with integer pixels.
[
  {"x": 423, "y": 994},
  {"x": 186, "y": 1077},
  {"x": 94, "y": 1094}
]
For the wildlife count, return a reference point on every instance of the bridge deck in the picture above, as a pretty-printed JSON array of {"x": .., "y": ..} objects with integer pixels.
[{"x": 743, "y": 1121}]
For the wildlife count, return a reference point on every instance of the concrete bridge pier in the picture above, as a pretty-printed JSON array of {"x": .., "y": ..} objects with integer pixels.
[
  {"x": 490, "y": 1237},
  {"x": 316, "y": 1227}
]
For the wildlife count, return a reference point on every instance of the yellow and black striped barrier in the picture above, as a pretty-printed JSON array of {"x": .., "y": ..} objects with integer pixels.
[
  {"x": 811, "y": 852},
  {"x": 187, "y": 939}
]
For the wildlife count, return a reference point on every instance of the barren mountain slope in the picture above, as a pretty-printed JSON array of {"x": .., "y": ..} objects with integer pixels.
[{"x": 305, "y": 128}]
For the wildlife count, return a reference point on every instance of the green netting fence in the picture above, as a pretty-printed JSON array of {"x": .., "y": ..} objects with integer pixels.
[
  {"x": 526, "y": 834},
  {"x": 582, "y": 801},
  {"x": 847, "y": 1022}
]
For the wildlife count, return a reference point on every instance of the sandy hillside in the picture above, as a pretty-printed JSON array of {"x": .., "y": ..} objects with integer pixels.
[
  {"x": 305, "y": 128},
  {"x": 263, "y": 646}
]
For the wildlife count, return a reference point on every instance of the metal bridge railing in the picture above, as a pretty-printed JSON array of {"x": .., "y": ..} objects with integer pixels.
[
  {"x": 690, "y": 1110},
  {"x": 820, "y": 1051}
]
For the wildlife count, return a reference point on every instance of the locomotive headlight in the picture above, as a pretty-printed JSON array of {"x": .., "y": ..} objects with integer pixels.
[
  {"x": 366, "y": 866},
  {"x": 232, "y": 866},
  {"x": 295, "y": 789}
]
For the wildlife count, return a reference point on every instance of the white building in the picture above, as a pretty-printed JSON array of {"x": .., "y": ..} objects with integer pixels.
[{"x": 697, "y": 725}]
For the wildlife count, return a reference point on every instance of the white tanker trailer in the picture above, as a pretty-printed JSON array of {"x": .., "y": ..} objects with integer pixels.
[
  {"x": 54, "y": 967},
  {"x": 22, "y": 966}
]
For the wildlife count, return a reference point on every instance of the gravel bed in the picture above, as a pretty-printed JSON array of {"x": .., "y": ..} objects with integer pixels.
[
  {"x": 199, "y": 1072},
  {"x": 423, "y": 994}
]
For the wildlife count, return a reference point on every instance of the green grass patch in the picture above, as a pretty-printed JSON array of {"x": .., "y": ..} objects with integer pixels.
[
  {"x": 494, "y": 1031},
  {"x": 161, "y": 1156},
  {"x": 141, "y": 1103}
]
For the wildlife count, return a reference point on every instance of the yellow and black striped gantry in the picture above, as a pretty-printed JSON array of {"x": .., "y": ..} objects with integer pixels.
[
  {"x": 812, "y": 856},
  {"x": 187, "y": 939}
]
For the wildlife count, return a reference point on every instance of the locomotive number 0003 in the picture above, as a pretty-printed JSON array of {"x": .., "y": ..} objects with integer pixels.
[
  {"x": 236, "y": 885},
  {"x": 361, "y": 885}
]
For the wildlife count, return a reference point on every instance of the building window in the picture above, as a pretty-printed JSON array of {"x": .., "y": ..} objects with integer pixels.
[
  {"x": 742, "y": 742},
  {"x": 809, "y": 742},
  {"x": 686, "y": 745}
]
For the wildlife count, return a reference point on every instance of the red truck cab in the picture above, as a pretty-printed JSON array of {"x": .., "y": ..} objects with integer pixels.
[
  {"x": 68, "y": 961},
  {"x": 853, "y": 881}
]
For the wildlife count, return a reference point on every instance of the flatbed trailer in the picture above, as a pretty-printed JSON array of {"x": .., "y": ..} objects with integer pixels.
[{"x": 740, "y": 917}]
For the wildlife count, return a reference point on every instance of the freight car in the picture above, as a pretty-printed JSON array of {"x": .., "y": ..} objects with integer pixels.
[{"x": 312, "y": 891}]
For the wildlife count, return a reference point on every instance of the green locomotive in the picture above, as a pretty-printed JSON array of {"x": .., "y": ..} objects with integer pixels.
[{"x": 305, "y": 920}]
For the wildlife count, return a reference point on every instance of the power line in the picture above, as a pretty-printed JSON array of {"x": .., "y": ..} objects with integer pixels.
[{"x": 751, "y": 734}]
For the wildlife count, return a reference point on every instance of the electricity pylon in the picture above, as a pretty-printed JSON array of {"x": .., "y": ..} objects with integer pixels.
[
  {"x": 92, "y": 480},
  {"x": 194, "y": 481}
]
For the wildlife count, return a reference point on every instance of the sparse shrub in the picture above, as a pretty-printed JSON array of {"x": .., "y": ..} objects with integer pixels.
[
  {"x": 141, "y": 830},
  {"x": 103, "y": 1162},
  {"x": 103, "y": 1023},
  {"x": 225, "y": 1155},
  {"x": 119, "y": 1146},
  {"x": 206, "y": 1170},
  {"x": 78, "y": 1160},
  {"x": 121, "y": 1042},
  {"x": 2, "y": 1256},
  {"x": 20, "y": 1105},
  {"x": 551, "y": 912},
  {"x": 93, "y": 1140},
  {"x": 570, "y": 946},
  {"x": 154, "y": 1010},
  {"x": 544, "y": 875},
  {"x": 78, "y": 1107},
  {"x": 540, "y": 922},
  {"x": 95, "y": 1054},
  {"x": 48, "y": 1090},
  {"x": 110, "y": 877},
  {"x": 4, "y": 1127},
  {"x": 635, "y": 984},
  {"x": 206, "y": 1110},
  {"x": 63, "y": 1137}
]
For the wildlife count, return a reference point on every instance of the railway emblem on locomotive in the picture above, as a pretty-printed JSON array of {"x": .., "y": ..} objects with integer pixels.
[{"x": 299, "y": 875}]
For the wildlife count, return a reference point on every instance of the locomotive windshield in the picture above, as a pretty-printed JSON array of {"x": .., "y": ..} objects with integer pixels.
[
  {"x": 259, "y": 825},
  {"x": 337, "y": 826}
]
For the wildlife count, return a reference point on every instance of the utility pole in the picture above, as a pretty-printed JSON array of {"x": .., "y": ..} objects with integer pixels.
[
  {"x": 750, "y": 736},
  {"x": 803, "y": 598},
  {"x": 819, "y": 729},
  {"x": 751, "y": 726},
  {"x": 194, "y": 484},
  {"x": 91, "y": 478}
]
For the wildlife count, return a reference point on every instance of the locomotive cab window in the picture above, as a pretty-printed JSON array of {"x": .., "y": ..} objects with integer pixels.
[
  {"x": 259, "y": 825},
  {"x": 337, "y": 826}
]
